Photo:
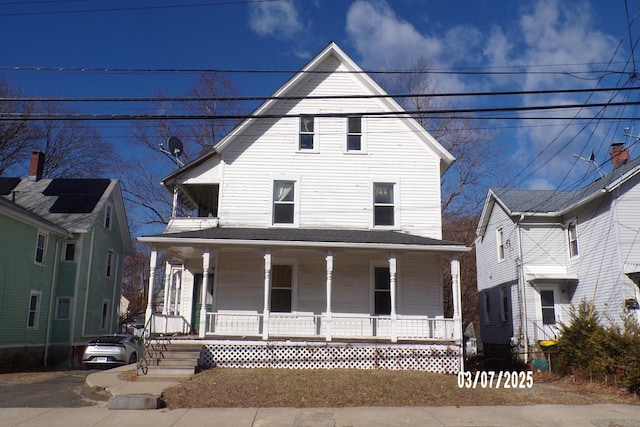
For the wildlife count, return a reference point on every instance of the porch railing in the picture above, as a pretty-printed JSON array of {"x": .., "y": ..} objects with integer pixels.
[{"x": 338, "y": 325}]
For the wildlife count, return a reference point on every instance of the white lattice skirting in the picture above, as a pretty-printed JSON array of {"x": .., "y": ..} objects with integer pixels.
[{"x": 439, "y": 358}]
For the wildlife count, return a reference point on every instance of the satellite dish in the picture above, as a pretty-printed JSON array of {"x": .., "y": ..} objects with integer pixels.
[{"x": 175, "y": 146}]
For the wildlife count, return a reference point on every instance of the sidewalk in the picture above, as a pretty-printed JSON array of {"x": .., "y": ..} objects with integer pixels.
[
  {"x": 146, "y": 388},
  {"x": 537, "y": 415}
]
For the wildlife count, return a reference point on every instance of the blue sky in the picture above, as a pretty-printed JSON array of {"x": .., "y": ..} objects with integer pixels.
[{"x": 537, "y": 36}]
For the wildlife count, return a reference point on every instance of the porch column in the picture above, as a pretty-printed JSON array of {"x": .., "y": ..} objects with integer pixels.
[
  {"x": 206, "y": 263},
  {"x": 153, "y": 265},
  {"x": 267, "y": 294},
  {"x": 457, "y": 303},
  {"x": 166, "y": 304},
  {"x": 329, "y": 259},
  {"x": 392, "y": 286}
]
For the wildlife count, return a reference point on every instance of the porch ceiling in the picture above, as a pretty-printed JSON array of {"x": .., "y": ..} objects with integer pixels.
[{"x": 303, "y": 238}]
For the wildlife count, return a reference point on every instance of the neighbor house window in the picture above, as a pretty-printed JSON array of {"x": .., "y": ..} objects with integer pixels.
[
  {"x": 572, "y": 234},
  {"x": 34, "y": 310},
  {"x": 63, "y": 308},
  {"x": 382, "y": 291},
  {"x": 306, "y": 133},
  {"x": 487, "y": 306},
  {"x": 504, "y": 304},
  {"x": 41, "y": 248},
  {"x": 281, "y": 288},
  {"x": 500, "y": 243},
  {"x": 69, "y": 253},
  {"x": 110, "y": 259},
  {"x": 548, "y": 307},
  {"x": 108, "y": 213},
  {"x": 354, "y": 133},
  {"x": 383, "y": 204},
  {"x": 104, "y": 320},
  {"x": 283, "y": 202}
]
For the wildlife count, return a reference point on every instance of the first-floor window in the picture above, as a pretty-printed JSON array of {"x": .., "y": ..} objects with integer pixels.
[
  {"x": 383, "y": 203},
  {"x": 34, "y": 310},
  {"x": 283, "y": 202},
  {"x": 104, "y": 320},
  {"x": 487, "y": 307},
  {"x": 504, "y": 301},
  {"x": 382, "y": 291},
  {"x": 547, "y": 298},
  {"x": 281, "y": 288},
  {"x": 63, "y": 308}
]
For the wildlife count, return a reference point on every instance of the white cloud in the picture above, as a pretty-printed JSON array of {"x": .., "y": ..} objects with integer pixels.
[{"x": 277, "y": 19}]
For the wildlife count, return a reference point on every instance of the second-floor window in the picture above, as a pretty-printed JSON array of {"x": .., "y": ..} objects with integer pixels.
[
  {"x": 500, "y": 243},
  {"x": 41, "y": 248},
  {"x": 34, "y": 310},
  {"x": 109, "y": 270},
  {"x": 284, "y": 202},
  {"x": 306, "y": 141},
  {"x": 69, "y": 253},
  {"x": 572, "y": 235},
  {"x": 383, "y": 204},
  {"x": 354, "y": 133}
]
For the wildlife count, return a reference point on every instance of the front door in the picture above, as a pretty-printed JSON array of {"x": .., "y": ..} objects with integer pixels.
[
  {"x": 550, "y": 312},
  {"x": 197, "y": 299}
]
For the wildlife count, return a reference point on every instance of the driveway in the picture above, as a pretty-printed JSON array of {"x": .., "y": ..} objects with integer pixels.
[{"x": 56, "y": 389}]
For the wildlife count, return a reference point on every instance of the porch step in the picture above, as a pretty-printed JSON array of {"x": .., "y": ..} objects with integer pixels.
[{"x": 178, "y": 359}]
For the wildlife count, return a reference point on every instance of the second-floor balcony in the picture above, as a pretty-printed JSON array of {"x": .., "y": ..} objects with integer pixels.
[{"x": 195, "y": 207}]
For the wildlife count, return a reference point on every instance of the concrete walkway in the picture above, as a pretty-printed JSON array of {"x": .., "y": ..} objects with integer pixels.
[{"x": 148, "y": 389}]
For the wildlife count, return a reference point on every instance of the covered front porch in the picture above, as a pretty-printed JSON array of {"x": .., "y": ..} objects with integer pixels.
[{"x": 313, "y": 286}]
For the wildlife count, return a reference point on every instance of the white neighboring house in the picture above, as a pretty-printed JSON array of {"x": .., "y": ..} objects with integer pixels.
[
  {"x": 540, "y": 251},
  {"x": 317, "y": 220}
]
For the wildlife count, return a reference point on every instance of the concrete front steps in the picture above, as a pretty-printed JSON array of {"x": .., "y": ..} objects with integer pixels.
[{"x": 173, "y": 358}]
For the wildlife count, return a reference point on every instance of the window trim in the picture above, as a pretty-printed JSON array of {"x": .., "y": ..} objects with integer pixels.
[
  {"x": 313, "y": 133},
  {"x": 33, "y": 325},
  {"x": 64, "y": 251},
  {"x": 295, "y": 202},
  {"x": 500, "y": 246},
  {"x": 110, "y": 264},
  {"x": 573, "y": 244},
  {"x": 361, "y": 134},
  {"x": 294, "y": 283},
  {"x": 504, "y": 304},
  {"x": 395, "y": 203},
  {"x": 58, "y": 301},
  {"x": 42, "y": 251},
  {"x": 108, "y": 216},
  {"x": 105, "y": 315}
]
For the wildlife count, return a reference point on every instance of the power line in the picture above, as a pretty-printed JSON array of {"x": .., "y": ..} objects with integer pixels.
[
  {"x": 123, "y": 9},
  {"x": 383, "y": 114},
  {"x": 312, "y": 97}
]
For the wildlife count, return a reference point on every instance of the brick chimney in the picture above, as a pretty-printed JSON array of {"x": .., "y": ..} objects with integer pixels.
[
  {"x": 619, "y": 155},
  {"x": 36, "y": 166}
]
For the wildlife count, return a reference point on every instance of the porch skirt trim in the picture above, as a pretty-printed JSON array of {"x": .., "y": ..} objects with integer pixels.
[{"x": 440, "y": 358}]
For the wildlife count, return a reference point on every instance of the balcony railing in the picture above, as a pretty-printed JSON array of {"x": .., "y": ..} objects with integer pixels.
[{"x": 337, "y": 325}]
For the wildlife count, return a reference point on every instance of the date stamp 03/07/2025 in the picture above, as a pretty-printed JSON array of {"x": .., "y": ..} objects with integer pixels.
[{"x": 493, "y": 379}]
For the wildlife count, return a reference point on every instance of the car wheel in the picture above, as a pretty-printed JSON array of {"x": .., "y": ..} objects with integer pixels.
[{"x": 133, "y": 358}]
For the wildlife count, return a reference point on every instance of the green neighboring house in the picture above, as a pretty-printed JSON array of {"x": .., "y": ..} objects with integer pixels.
[{"x": 62, "y": 249}]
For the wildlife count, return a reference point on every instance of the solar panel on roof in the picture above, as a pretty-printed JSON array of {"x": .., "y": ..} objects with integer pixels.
[
  {"x": 75, "y": 203},
  {"x": 60, "y": 186},
  {"x": 8, "y": 184}
]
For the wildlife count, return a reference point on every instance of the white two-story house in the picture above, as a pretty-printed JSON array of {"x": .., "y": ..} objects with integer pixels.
[
  {"x": 541, "y": 251},
  {"x": 315, "y": 227}
]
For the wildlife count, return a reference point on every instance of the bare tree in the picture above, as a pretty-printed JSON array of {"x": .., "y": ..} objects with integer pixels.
[
  {"x": 17, "y": 137},
  {"x": 463, "y": 186},
  {"x": 73, "y": 150}
]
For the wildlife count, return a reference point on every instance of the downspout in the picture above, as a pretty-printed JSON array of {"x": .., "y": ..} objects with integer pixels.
[
  {"x": 115, "y": 309},
  {"x": 86, "y": 295},
  {"x": 54, "y": 276},
  {"x": 523, "y": 293}
]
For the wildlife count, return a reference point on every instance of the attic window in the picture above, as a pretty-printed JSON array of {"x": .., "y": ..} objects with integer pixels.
[
  {"x": 108, "y": 212},
  {"x": 354, "y": 133},
  {"x": 306, "y": 133}
]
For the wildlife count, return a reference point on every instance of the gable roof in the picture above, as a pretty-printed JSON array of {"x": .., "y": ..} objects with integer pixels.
[
  {"x": 318, "y": 64},
  {"x": 21, "y": 214},
  {"x": 554, "y": 203},
  {"x": 71, "y": 205}
]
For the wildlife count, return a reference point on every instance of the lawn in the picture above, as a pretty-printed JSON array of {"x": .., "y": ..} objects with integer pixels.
[{"x": 225, "y": 387}]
